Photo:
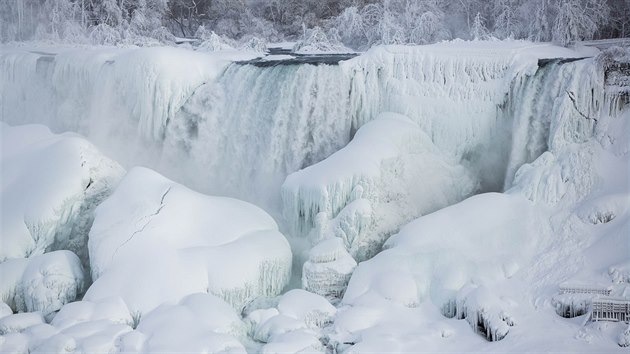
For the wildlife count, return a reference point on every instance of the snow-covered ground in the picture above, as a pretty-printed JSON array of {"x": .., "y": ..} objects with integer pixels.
[{"x": 452, "y": 188}]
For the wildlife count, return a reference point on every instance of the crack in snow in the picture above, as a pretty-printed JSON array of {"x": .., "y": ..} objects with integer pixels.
[{"x": 150, "y": 217}]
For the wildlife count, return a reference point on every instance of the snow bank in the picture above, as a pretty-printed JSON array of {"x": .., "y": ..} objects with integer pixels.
[
  {"x": 50, "y": 187},
  {"x": 41, "y": 283},
  {"x": 195, "y": 243}
]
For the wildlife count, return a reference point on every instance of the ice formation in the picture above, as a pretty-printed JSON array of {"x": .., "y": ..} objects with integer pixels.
[
  {"x": 352, "y": 193},
  {"x": 42, "y": 283},
  {"x": 328, "y": 269},
  {"x": 50, "y": 187},
  {"x": 195, "y": 243}
]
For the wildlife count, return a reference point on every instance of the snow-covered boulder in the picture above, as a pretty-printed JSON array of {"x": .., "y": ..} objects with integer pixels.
[
  {"x": 19, "y": 322},
  {"x": 199, "y": 323},
  {"x": 314, "y": 310},
  {"x": 50, "y": 187},
  {"x": 485, "y": 236},
  {"x": 41, "y": 283},
  {"x": 328, "y": 269},
  {"x": 387, "y": 175},
  {"x": 154, "y": 241},
  {"x": 5, "y": 310},
  {"x": 485, "y": 239},
  {"x": 111, "y": 309},
  {"x": 295, "y": 325}
]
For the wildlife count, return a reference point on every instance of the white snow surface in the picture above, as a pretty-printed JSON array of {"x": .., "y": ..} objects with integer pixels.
[
  {"x": 430, "y": 125},
  {"x": 50, "y": 186},
  {"x": 193, "y": 242},
  {"x": 198, "y": 323}
]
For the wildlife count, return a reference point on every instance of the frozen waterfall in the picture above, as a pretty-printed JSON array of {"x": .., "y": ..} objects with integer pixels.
[{"x": 236, "y": 129}]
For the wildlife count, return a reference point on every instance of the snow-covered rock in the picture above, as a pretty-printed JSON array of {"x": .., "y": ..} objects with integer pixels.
[
  {"x": 295, "y": 325},
  {"x": 328, "y": 269},
  {"x": 191, "y": 242},
  {"x": 387, "y": 175},
  {"x": 199, "y": 323},
  {"x": 111, "y": 309},
  {"x": 19, "y": 322},
  {"x": 41, "y": 283},
  {"x": 50, "y": 187}
]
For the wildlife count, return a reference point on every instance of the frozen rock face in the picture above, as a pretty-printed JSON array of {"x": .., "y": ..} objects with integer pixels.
[
  {"x": 50, "y": 187},
  {"x": 387, "y": 175},
  {"x": 328, "y": 269},
  {"x": 41, "y": 283},
  {"x": 191, "y": 242}
]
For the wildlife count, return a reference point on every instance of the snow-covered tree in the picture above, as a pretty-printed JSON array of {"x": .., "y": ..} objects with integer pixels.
[
  {"x": 578, "y": 19},
  {"x": 506, "y": 22},
  {"x": 539, "y": 28},
  {"x": 478, "y": 30}
]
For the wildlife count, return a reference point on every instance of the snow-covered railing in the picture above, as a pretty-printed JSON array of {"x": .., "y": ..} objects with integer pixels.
[
  {"x": 568, "y": 289},
  {"x": 610, "y": 309}
]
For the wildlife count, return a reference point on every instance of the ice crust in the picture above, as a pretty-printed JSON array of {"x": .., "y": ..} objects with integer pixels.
[{"x": 193, "y": 242}]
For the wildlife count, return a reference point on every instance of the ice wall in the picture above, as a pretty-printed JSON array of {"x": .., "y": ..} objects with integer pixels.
[{"x": 239, "y": 130}]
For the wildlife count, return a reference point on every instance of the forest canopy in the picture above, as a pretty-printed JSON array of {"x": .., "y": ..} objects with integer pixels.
[{"x": 356, "y": 24}]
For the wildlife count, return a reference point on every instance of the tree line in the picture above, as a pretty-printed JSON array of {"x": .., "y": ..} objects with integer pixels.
[{"x": 358, "y": 24}]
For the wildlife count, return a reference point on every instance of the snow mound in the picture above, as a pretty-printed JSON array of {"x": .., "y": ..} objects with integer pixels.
[
  {"x": 19, "y": 322},
  {"x": 328, "y": 269},
  {"x": 199, "y": 323},
  {"x": 111, "y": 309},
  {"x": 50, "y": 187},
  {"x": 41, "y": 283},
  {"x": 196, "y": 243},
  {"x": 296, "y": 324},
  {"x": 363, "y": 192}
]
